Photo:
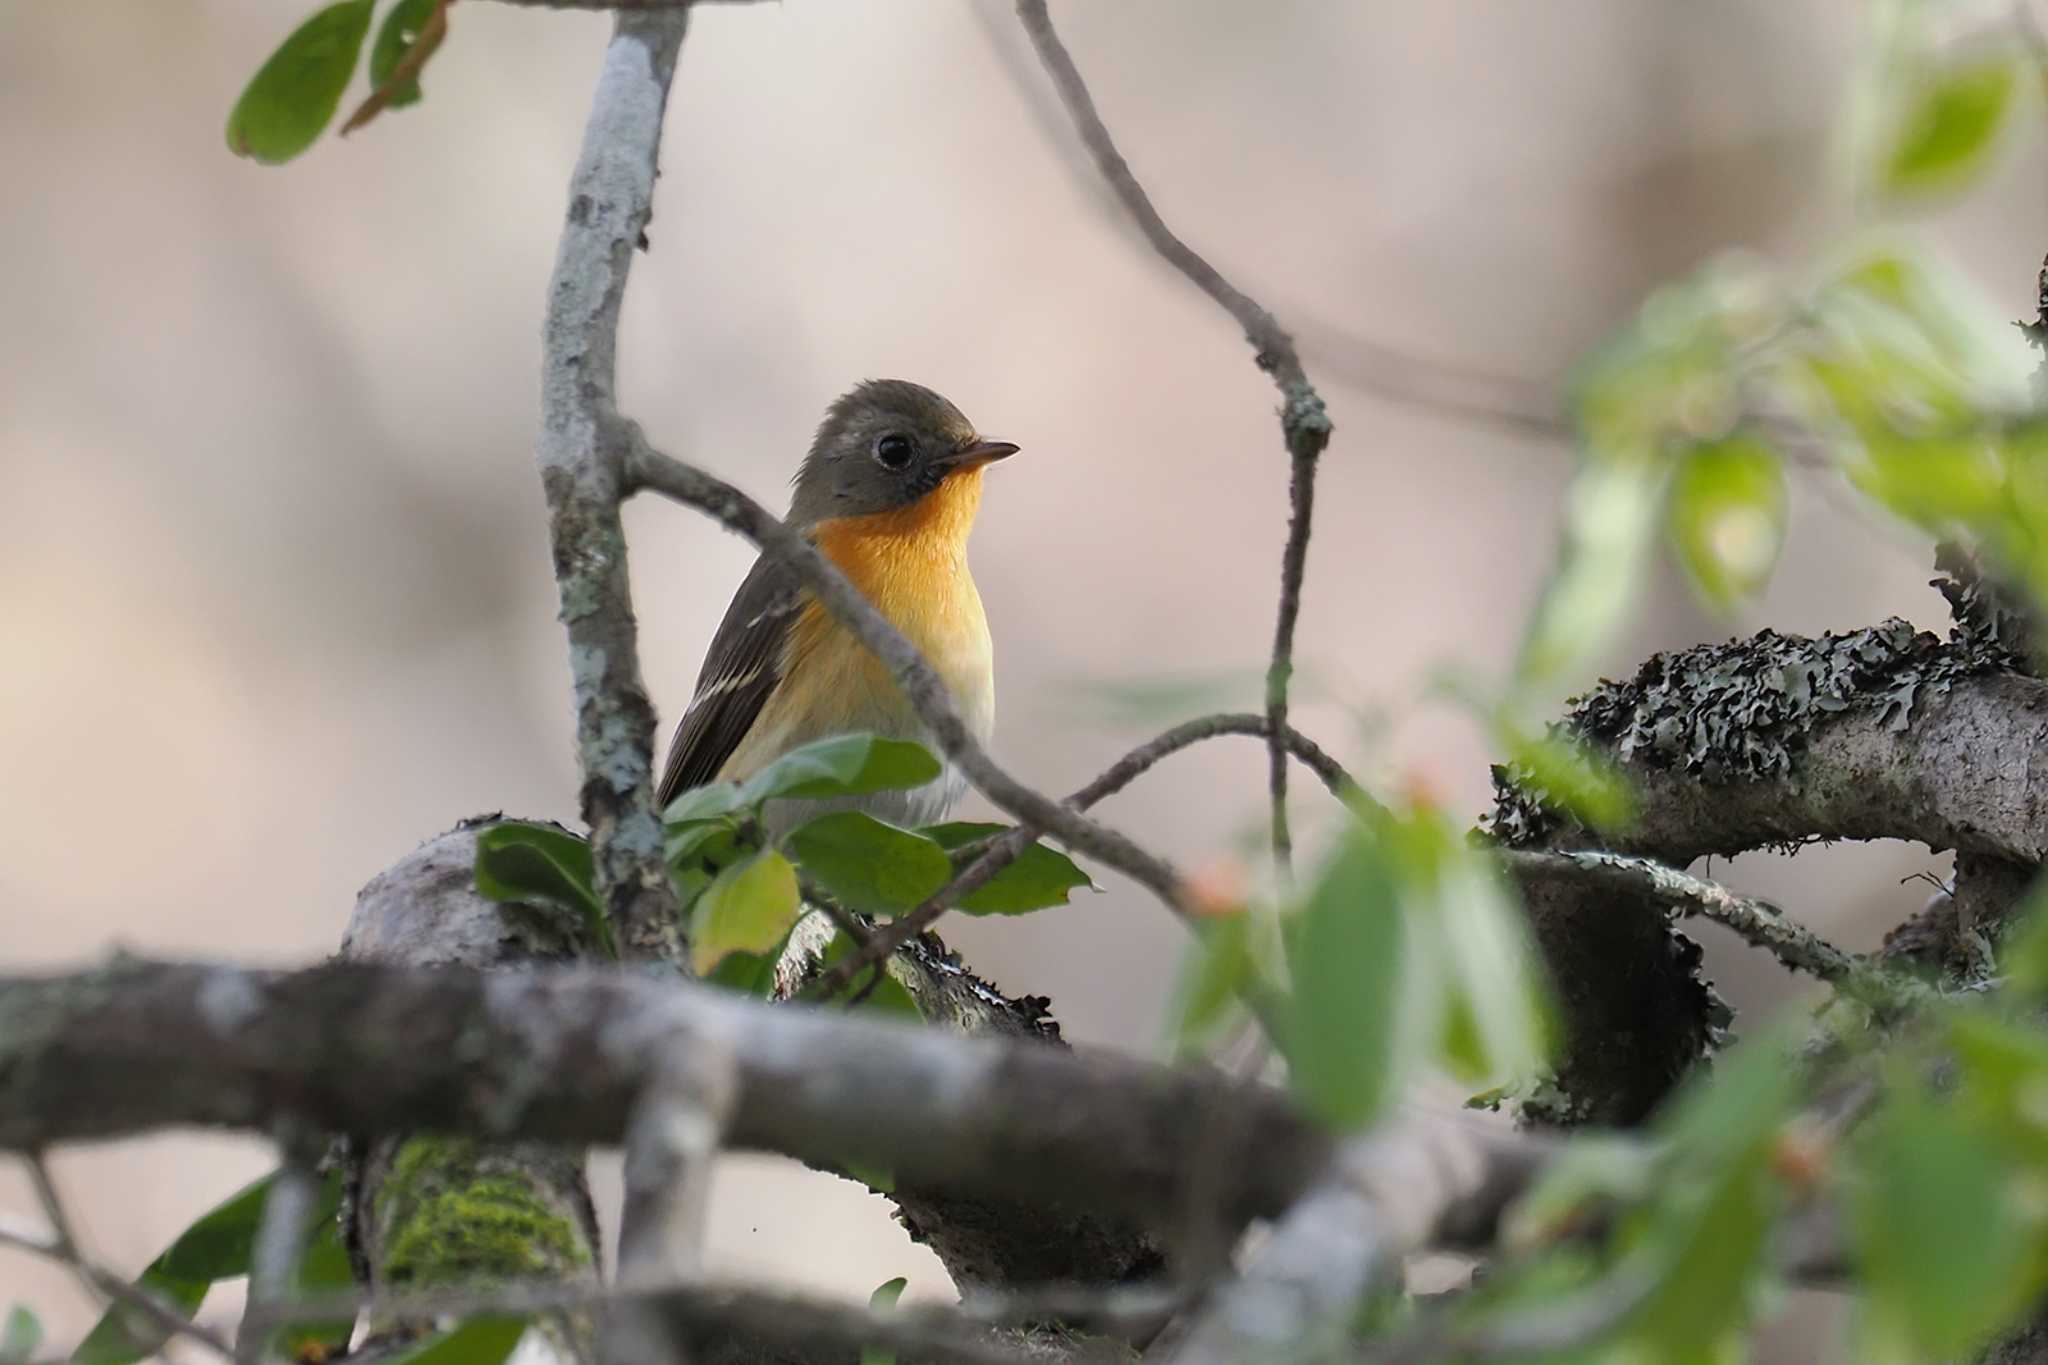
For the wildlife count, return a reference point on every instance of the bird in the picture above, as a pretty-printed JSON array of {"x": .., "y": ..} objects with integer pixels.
[{"x": 888, "y": 492}]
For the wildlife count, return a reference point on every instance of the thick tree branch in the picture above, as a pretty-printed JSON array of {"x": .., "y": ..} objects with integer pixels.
[
  {"x": 610, "y": 200},
  {"x": 561, "y": 1055},
  {"x": 1304, "y": 421}
]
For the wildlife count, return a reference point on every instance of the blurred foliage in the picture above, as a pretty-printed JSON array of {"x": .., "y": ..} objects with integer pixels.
[{"x": 216, "y": 1247}]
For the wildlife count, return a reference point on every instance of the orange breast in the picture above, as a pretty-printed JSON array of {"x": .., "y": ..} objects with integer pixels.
[{"x": 912, "y": 564}]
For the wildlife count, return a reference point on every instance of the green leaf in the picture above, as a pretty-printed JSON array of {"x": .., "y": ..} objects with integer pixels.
[
  {"x": 292, "y": 98},
  {"x": 889, "y": 995},
  {"x": 1554, "y": 771},
  {"x": 703, "y": 803},
  {"x": 395, "y": 36},
  {"x": 751, "y": 908},
  {"x": 324, "y": 1269},
  {"x": 1727, "y": 518},
  {"x": 19, "y": 1336},
  {"x": 868, "y": 865},
  {"x": 524, "y": 863},
  {"x": 1346, "y": 1038},
  {"x": 881, "y": 1301},
  {"x": 1610, "y": 511},
  {"x": 1937, "y": 1235},
  {"x": 1218, "y": 963},
  {"x": 747, "y": 973},
  {"x": 845, "y": 765},
  {"x": 216, "y": 1247},
  {"x": 1949, "y": 124},
  {"x": 1498, "y": 1024},
  {"x": 1039, "y": 878},
  {"x": 480, "y": 1341}
]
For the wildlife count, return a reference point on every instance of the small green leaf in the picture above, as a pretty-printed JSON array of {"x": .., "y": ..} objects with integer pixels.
[
  {"x": 1556, "y": 772},
  {"x": 324, "y": 1270},
  {"x": 480, "y": 1341},
  {"x": 395, "y": 36},
  {"x": 747, "y": 973},
  {"x": 1727, "y": 518},
  {"x": 1610, "y": 512},
  {"x": 881, "y": 1301},
  {"x": 868, "y": 865},
  {"x": 1039, "y": 878},
  {"x": 703, "y": 803},
  {"x": 750, "y": 908},
  {"x": 845, "y": 765},
  {"x": 521, "y": 862},
  {"x": 1949, "y": 124},
  {"x": 1937, "y": 1233},
  {"x": 293, "y": 96},
  {"x": 216, "y": 1247},
  {"x": 889, "y": 995},
  {"x": 1348, "y": 1036},
  {"x": 1217, "y": 965},
  {"x": 19, "y": 1336}
]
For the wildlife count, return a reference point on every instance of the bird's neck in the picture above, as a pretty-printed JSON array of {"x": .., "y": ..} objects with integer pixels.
[{"x": 932, "y": 529}]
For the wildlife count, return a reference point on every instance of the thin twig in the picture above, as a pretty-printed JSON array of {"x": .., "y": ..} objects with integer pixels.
[
  {"x": 1007, "y": 847},
  {"x": 1304, "y": 421},
  {"x": 1757, "y": 921}
]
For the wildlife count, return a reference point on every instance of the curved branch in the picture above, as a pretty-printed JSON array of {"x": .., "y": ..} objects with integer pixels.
[
  {"x": 1010, "y": 845},
  {"x": 1304, "y": 421}
]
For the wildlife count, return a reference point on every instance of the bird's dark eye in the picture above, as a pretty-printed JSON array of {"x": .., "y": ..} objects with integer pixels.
[{"x": 893, "y": 450}]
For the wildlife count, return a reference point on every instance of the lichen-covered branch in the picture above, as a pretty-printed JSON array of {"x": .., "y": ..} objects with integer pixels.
[
  {"x": 1304, "y": 421},
  {"x": 1761, "y": 923},
  {"x": 1885, "y": 733},
  {"x": 610, "y": 199}
]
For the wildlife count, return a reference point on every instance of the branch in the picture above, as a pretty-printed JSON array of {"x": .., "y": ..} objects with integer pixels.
[
  {"x": 1389, "y": 1193},
  {"x": 1304, "y": 422},
  {"x": 610, "y": 201},
  {"x": 651, "y": 469},
  {"x": 1759, "y": 922},
  {"x": 560, "y": 1055},
  {"x": 288, "y": 1211},
  {"x": 1009, "y": 846}
]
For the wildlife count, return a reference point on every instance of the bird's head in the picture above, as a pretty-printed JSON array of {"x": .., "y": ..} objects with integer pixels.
[{"x": 884, "y": 447}]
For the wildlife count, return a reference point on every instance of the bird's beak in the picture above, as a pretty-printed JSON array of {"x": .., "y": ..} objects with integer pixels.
[{"x": 979, "y": 454}]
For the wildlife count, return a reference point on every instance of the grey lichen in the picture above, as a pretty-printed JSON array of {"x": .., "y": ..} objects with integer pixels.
[{"x": 1742, "y": 711}]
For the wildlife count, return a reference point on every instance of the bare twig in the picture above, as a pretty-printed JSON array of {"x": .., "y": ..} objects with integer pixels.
[
  {"x": 583, "y": 476},
  {"x": 288, "y": 1211},
  {"x": 1008, "y": 846},
  {"x": 1304, "y": 422}
]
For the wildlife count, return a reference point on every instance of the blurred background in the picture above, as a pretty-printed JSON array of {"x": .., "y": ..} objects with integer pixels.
[{"x": 274, "y": 579}]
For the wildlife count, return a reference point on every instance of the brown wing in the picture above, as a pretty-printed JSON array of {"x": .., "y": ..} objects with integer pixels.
[{"x": 741, "y": 668}]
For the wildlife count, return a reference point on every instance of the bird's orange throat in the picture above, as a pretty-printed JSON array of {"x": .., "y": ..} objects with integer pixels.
[{"x": 927, "y": 536}]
